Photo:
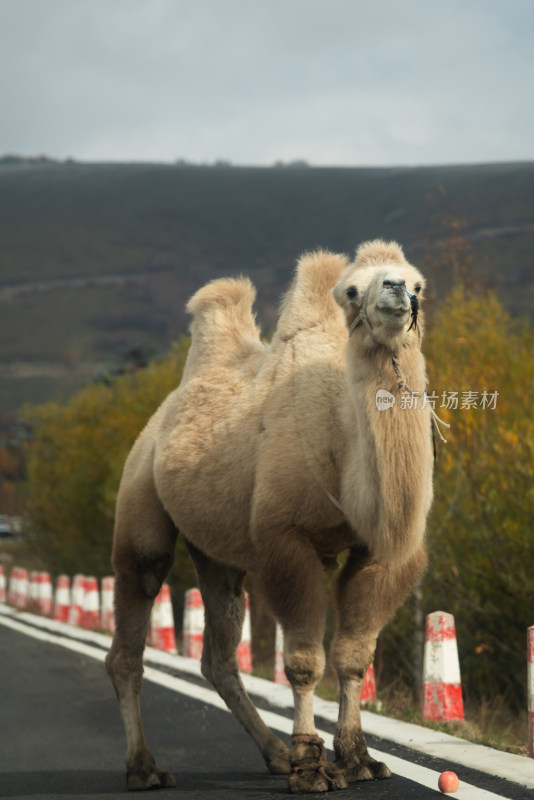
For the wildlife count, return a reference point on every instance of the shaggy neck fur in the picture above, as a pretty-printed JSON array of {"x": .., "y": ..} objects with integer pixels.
[{"x": 387, "y": 489}]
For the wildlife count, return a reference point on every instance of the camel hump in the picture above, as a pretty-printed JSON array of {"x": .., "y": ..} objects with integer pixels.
[
  {"x": 309, "y": 299},
  {"x": 235, "y": 295},
  {"x": 376, "y": 252},
  {"x": 223, "y": 323}
]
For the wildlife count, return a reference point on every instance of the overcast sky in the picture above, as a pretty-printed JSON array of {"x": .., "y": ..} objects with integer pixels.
[{"x": 333, "y": 82}]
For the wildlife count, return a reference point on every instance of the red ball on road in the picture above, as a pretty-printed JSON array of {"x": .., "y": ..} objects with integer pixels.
[{"x": 448, "y": 782}]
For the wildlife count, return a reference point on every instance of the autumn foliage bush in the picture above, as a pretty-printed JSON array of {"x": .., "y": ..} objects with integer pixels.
[
  {"x": 75, "y": 462},
  {"x": 480, "y": 536},
  {"x": 481, "y": 529}
]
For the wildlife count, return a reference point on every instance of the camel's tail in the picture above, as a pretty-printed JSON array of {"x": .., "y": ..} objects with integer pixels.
[{"x": 223, "y": 325}]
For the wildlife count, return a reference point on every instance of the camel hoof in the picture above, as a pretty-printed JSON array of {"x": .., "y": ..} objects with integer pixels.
[
  {"x": 279, "y": 763},
  {"x": 310, "y": 771},
  {"x": 363, "y": 773},
  {"x": 380, "y": 771},
  {"x": 155, "y": 780},
  {"x": 372, "y": 771},
  {"x": 144, "y": 774},
  {"x": 323, "y": 778}
]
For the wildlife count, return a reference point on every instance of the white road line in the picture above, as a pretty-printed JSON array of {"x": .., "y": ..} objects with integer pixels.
[
  {"x": 414, "y": 772},
  {"x": 452, "y": 749},
  {"x": 43, "y": 636},
  {"x": 439, "y": 744},
  {"x": 422, "y": 775}
]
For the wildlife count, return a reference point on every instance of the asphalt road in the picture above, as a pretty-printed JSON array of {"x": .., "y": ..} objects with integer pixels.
[{"x": 61, "y": 737}]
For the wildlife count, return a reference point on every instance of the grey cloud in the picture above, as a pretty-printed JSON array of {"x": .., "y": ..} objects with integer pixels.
[{"x": 330, "y": 81}]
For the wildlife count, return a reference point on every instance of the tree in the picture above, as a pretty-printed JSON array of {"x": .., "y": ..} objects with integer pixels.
[
  {"x": 75, "y": 461},
  {"x": 481, "y": 532}
]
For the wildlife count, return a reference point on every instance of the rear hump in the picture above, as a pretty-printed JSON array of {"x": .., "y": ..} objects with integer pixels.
[{"x": 223, "y": 326}]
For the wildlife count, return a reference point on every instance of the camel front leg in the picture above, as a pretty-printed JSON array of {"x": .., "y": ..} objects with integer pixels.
[
  {"x": 352, "y": 658},
  {"x": 292, "y": 577},
  {"x": 304, "y": 666},
  {"x": 368, "y": 595}
]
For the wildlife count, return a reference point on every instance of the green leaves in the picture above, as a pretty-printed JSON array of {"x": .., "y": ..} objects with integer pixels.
[
  {"x": 481, "y": 531},
  {"x": 76, "y": 458}
]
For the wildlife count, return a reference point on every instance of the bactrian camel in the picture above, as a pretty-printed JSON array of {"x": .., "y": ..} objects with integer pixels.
[{"x": 275, "y": 459}]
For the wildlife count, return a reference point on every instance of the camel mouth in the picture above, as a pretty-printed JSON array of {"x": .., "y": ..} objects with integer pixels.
[
  {"x": 393, "y": 300},
  {"x": 398, "y": 311}
]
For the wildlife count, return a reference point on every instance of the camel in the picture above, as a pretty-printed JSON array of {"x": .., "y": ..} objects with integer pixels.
[{"x": 275, "y": 458}]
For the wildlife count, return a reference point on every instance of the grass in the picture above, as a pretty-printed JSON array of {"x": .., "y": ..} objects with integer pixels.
[{"x": 488, "y": 722}]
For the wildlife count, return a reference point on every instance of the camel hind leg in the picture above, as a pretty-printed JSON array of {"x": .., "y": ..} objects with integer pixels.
[
  {"x": 141, "y": 565},
  {"x": 224, "y": 606}
]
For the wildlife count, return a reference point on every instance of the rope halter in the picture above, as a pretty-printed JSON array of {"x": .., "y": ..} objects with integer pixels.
[{"x": 362, "y": 318}]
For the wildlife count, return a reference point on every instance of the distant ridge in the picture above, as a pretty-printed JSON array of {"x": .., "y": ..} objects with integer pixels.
[{"x": 97, "y": 258}]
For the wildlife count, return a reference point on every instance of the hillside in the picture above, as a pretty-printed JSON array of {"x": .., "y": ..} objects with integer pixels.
[{"x": 96, "y": 259}]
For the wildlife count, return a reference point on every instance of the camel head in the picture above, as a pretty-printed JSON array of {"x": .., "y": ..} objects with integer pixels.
[{"x": 382, "y": 291}]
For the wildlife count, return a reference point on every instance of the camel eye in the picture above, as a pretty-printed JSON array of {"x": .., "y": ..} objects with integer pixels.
[
  {"x": 417, "y": 289},
  {"x": 351, "y": 292}
]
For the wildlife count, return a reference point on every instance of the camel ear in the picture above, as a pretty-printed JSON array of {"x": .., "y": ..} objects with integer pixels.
[{"x": 346, "y": 296}]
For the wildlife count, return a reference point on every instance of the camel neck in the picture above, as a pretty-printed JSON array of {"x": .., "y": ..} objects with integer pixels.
[{"x": 388, "y": 483}]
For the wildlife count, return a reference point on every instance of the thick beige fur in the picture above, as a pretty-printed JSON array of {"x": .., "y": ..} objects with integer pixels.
[{"x": 275, "y": 459}]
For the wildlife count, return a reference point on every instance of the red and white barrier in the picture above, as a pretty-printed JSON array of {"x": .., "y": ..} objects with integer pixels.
[
  {"x": 12, "y": 586},
  {"x": 441, "y": 670},
  {"x": 244, "y": 648},
  {"x": 76, "y": 600},
  {"x": 62, "y": 599},
  {"x": 107, "y": 615},
  {"x": 193, "y": 629},
  {"x": 368, "y": 694},
  {"x": 279, "y": 670},
  {"x": 162, "y": 634},
  {"x": 45, "y": 594},
  {"x": 21, "y": 588},
  {"x": 91, "y": 605},
  {"x": 33, "y": 590},
  {"x": 530, "y": 665},
  {"x": 2, "y": 585}
]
